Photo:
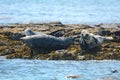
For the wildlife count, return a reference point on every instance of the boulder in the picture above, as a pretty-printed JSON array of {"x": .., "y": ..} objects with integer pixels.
[
  {"x": 58, "y": 33},
  {"x": 17, "y": 36},
  {"x": 8, "y": 51},
  {"x": 116, "y": 36},
  {"x": 104, "y": 33},
  {"x": 55, "y": 22},
  {"x": 116, "y": 33},
  {"x": 73, "y": 76}
]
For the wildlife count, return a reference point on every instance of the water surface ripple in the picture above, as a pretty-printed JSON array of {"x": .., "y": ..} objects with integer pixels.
[
  {"x": 18, "y": 69},
  {"x": 66, "y": 11}
]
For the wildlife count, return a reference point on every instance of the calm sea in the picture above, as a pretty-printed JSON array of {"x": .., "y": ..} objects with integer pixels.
[
  {"x": 66, "y": 11},
  {"x": 17, "y": 69}
]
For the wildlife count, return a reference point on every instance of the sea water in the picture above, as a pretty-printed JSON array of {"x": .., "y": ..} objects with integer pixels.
[
  {"x": 19, "y": 69},
  {"x": 66, "y": 11}
]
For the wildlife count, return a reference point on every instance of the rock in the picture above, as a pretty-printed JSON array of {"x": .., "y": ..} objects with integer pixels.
[
  {"x": 99, "y": 25},
  {"x": 55, "y": 22},
  {"x": 17, "y": 36},
  {"x": 104, "y": 33},
  {"x": 58, "y": 33},
  {"x": 109, "y": 50},
  {"x": 80, "y": 57},
  {"x": 118, "y": 47},
  {"x": 116, "y": 33},
  {"x": 112, "y": 25},
  {"x": 7, "y": 33},
  {"x": 116, "y": 38},
  {"x": 8, "y": 51},
  {"x": 118, "y": 26},
  {"x": 73, "y": 76},
  {"x": 86, "y": 26},
  {"x": 114, "y": 71},
  {"x": 108, "y": 46},
  {"x": 2, "y": 44}
]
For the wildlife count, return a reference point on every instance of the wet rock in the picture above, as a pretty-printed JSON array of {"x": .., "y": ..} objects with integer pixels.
[
  {"x": 86, "y": 26},
  {"x": 72, "y": 76},
  {"x": 57, "y": 55},
  {"x": 107, "y": 45},
  {"x": 17, "y": 36},
  {"x": 114, "y": 71},
  {"x": 7, "y": 33},
  {"x": 104, "y": 33},
  {"x": 118, "y": 26},
  {"x": 8, "y": 51},
  {"x": 2, "y": 44},
  {"x": 58, "y": 33},
  {"x": 80, "y": 57},
  {"x": 55, "y": 22},
  {"x": 118, "y": 47},
  {"x": 109, "y": 50},
  {"x": 112, "y": 25},
  {"x": 61, "y": 55},
  {"x": 98, "y": 25},
  {"x": 116, "y": 38},
  {"x": 116, "y": 33}
]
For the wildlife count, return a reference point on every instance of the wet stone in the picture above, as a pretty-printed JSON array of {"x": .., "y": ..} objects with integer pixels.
[
  {"x": 58, "y": 33},
  {"x": 104, "y": 32},
  {"x": 116, "y": 33},
  {"x": 114, "y": 71},
  {"x": 17, "y": 36},
  {"x": 8, "y": 51}
]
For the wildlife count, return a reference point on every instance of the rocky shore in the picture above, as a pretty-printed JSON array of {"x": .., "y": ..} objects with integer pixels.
[{"x": 12, "y": 47}]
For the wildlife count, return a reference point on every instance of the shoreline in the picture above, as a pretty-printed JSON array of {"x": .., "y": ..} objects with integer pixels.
[
  {"x": 12, "y": 47},
  {"x": 112, "y": 25}
]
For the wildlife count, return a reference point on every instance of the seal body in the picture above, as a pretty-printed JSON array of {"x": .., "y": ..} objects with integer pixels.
[
  {"x": 89, "y": 41},
  {"x": 47, "y": 42}
]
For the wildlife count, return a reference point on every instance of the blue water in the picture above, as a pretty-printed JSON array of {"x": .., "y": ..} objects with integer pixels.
[
  {"x": 66, "y": 11},
  {"x": 18, "y": 69}
]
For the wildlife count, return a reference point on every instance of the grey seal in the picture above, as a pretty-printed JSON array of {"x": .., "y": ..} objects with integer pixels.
[
  {"x": 88, "y": 40},
  {"x": 46, "y": 42}
]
